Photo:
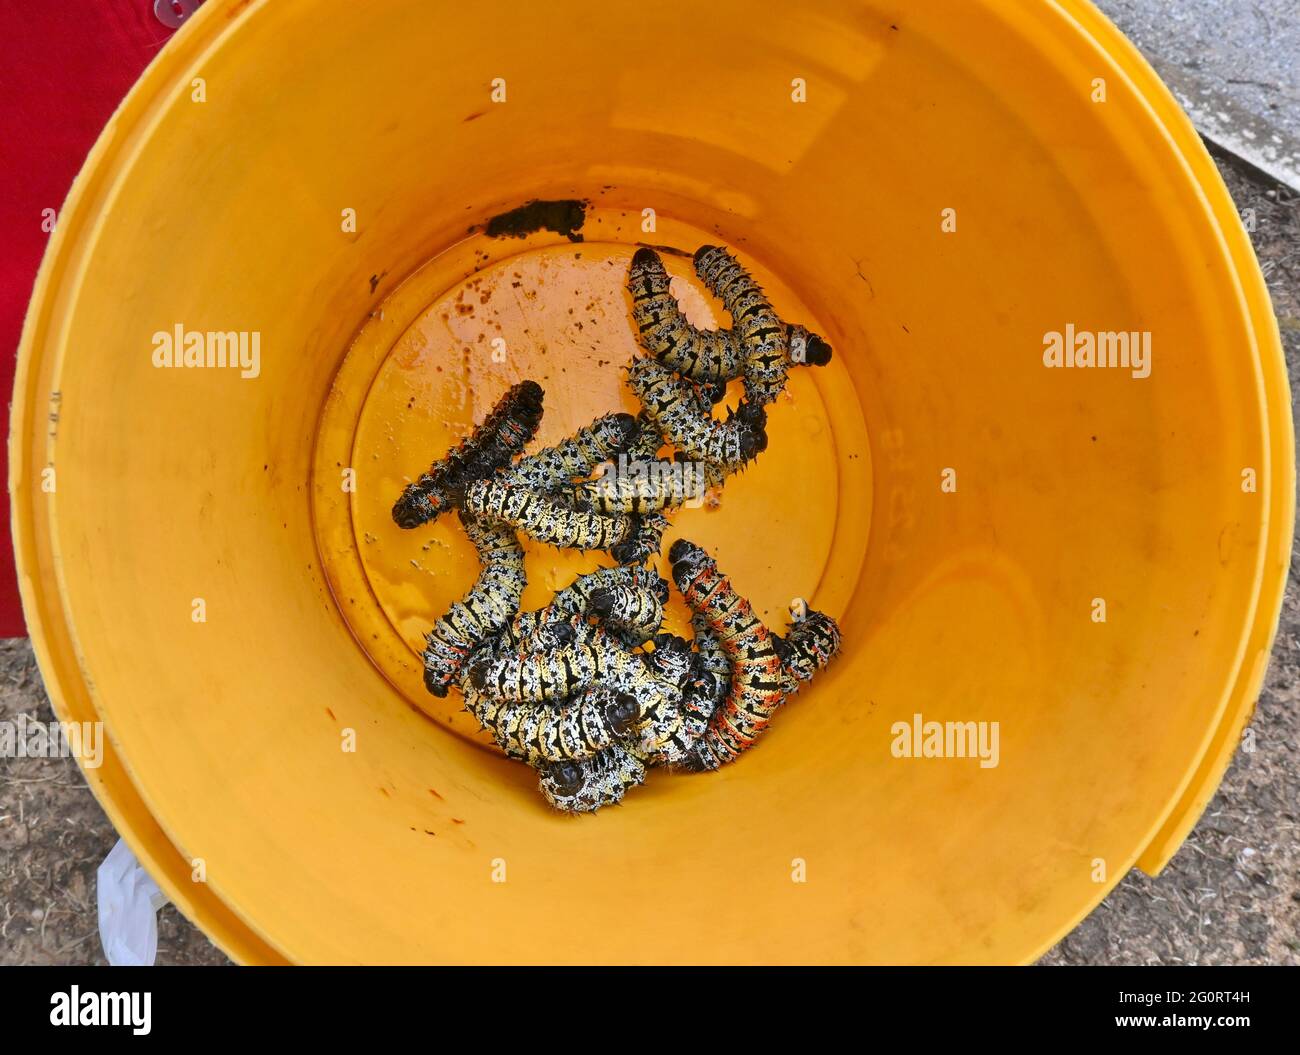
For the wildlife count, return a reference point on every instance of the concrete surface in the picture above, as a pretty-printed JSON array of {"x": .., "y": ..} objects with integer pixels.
[{"x": 1235, "y": 67}]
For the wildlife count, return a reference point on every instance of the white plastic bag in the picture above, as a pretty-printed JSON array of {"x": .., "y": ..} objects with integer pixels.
[{"x": 129, "y": 901}]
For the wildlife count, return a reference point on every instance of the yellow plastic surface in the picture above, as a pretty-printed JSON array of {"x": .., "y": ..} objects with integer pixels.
[{"x": 975, "y": 605}]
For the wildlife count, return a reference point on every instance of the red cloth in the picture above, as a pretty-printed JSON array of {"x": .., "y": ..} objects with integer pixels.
[{"x": 64, "y": 67}]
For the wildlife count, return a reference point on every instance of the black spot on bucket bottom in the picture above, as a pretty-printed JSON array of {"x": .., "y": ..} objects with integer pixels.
[{"x": 563, "y": 217}]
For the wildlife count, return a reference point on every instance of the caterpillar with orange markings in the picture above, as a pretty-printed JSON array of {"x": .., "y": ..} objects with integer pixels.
[
  {"x": 505, "y": 432},
  {"x": 756, "y": 687},
  {"x": 809, "y": 645}
]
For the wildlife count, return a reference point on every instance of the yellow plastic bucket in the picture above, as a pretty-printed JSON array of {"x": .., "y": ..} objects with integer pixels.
[{"x": 1091, "y": 558}]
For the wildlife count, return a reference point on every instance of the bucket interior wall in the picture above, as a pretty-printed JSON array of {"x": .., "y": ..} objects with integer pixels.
[{"x": 970, "y": 605}]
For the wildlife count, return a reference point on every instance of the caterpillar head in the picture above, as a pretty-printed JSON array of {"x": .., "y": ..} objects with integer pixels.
[
  {"x": 706, "y": 253},
  {"x": 671, "y": 643},
  {"x": 811, "y": 644},
  {"x": 704, "y": 684},
  {"x": 601, "y": 603},
  {"x": 715, "y": 393},
  {"x": 645, "y": 258},
  {"x": 566, "y": 779},
  {"x": 688, "y": 561},
  {"x": 625, "y": 429},
  {"x": 527, "y": 397},
  {"x": 752, "y": 419},
  {"x": 436, "y": 685},
  {"x": 808, "y": 347},
  {"x": 584, "y": 787},
  {"x": 559, "y": 634},
  {"x": 622, "y": 713},
  {"x": 670, "y": 660},
  {"x": 415, "y": 507},
  {"x": 478, "y": 670}
]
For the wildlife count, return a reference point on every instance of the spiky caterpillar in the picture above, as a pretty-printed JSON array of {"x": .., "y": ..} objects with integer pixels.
[
  {"x": 594, "y": 657},
  {"x": 644, "y": 487},
  {"x": 810, "y": 644},
  {"x": 757, "y": 679},
  {"x": 582, "y": 785},
  {"x": 702, "y": 355},
  {"x": 546, "y": 519},
  {"x": 574, "y": 458},
  {"x": 714, "y": 675},
  {"x": 503, "y": 434},
  {"x": 711, "y": 356},
  {"x": 807, "y": 648},
  {"x": 647, "y": 440},
  {"x": 647, "y": 536},
  {"x": 632, "y": 622},
  {"x": 629, "y": 600},
  {"x": 491, "y": 603},
  {"x": 768, "y": 345},
  {"x": 586, "y": 786},
  {"x": 673, "y": 405},
  {"x": 558, "y": 672},
  {"x": 670, "y": 727},
  {"x": 629, "y": 608},
  {"x": 578, "y": 728}
]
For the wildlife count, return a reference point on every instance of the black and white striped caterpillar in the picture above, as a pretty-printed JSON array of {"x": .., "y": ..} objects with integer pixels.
[
  {"x": 646, "y": 538},
  {"x": 673, "y": 404},
  {"x": 546, "y": 519},
  {"x": 602, "y": 780},
  {"x": 588, "y": 722},
  {"x": 769, "y": 347},
  {"x": 717, "y": 356},
  {"x": 503, "y": 434},
  {"x": 491, "y": 603},
  {"x": 644, "y": 487},
  {"x": 649, "y": 528},
  {"x": 593, "y": 657},
  {"x": 589, "y": 785},
  {"x": 702, "y": 355},
  {"x": 632, "y": 612},
  {"x": 714, "y": 675},
  {"x": 558, "y": 672},
  {"x": 554, "y": 468},
  {"x": 809, "y": 645}
]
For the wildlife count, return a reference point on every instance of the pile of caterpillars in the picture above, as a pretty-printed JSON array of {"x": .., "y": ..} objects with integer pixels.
[{"x": 589, "y": 691}]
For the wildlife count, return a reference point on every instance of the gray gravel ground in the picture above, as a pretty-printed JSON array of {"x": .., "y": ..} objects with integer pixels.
[
  {"x": 1234, "y": 66},
  {"x": 1231, "y": 895}
]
